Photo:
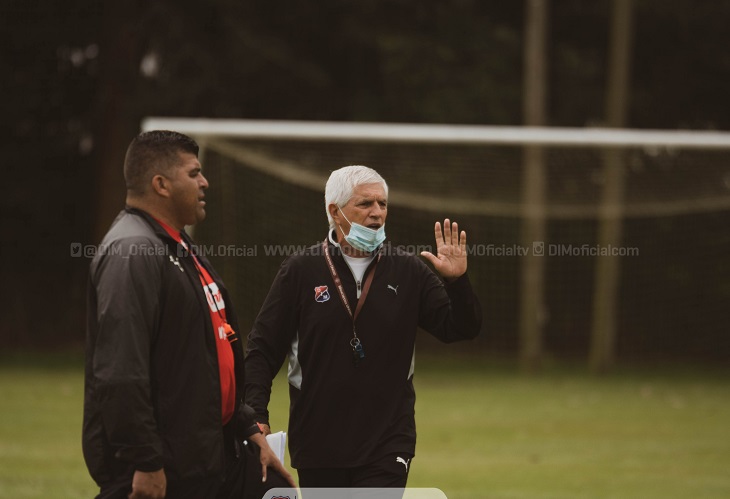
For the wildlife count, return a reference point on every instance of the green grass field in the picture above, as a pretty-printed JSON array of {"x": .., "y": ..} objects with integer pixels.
[{"x": 484, "y": 431}]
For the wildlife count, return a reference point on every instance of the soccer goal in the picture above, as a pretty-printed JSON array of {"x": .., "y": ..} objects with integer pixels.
[{"x": 595, "y": 243}]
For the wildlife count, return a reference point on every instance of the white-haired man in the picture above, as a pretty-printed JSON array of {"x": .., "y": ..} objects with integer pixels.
[{"x": 345, "y": 312}]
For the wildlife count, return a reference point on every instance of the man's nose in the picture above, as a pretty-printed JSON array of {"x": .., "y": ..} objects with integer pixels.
[{"x": 203, "y": 182}]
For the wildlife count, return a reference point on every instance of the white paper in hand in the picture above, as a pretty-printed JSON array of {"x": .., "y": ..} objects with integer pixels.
[{"x": 277, "y": 442}]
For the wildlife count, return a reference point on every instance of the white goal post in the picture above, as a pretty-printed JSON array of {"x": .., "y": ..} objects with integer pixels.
[
  {"x": 434, "y": 134},
  {"x": 610, "y": 180},
  {"x": 216, "y": 134}
]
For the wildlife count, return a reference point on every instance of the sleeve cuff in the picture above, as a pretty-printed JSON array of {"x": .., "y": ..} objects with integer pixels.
[
  {"x": 251, "y": 430},
  {"x": 148, "y": 466},
  {"x": 461, "y": 282}
]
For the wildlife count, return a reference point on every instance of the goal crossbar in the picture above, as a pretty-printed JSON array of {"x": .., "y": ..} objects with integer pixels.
[{"x": 440, "y": 134}]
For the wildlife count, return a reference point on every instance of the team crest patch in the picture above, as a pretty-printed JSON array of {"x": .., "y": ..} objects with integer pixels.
[{"x": 321, "y": 294}]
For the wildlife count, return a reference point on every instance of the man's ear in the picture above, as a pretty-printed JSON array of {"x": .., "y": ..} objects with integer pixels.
[
  {"x": 161, "y": 185},
  {"x": 334, "y": 212}
]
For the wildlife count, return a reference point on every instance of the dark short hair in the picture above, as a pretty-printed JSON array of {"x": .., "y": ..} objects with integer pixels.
[{"x": 152, "y": 153}]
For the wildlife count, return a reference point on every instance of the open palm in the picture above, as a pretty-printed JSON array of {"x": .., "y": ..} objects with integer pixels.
[{"x": 450, "y": 258}]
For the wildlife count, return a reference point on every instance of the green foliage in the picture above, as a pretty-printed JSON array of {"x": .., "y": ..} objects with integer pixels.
[{"x": 80, "y": 74}]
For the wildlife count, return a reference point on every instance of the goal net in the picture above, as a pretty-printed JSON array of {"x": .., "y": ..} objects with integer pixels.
[{"x": 656, "y": 205}]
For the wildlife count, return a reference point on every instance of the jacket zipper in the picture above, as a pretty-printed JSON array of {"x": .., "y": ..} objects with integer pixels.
[{"x": 358, "y": 283}]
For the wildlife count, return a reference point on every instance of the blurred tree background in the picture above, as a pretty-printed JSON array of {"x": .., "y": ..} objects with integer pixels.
[{"x": 79, "y": 76}]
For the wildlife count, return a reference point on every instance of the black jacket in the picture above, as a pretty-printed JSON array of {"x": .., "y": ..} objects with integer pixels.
[
  {"x": 152, "y": 388},
  {"x": 342, "y": 415}
]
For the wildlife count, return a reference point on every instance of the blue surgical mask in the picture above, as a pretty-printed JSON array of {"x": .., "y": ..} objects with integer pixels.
[{"x": 364, "y": 238}]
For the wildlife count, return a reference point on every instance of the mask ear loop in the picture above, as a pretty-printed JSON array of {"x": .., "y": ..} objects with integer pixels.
[
  {"x": 348, "y": 221},
  {"x": 344, "y": 216}
]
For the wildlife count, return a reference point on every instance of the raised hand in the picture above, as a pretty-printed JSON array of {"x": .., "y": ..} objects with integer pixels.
[{"x": 450, "y": 260}]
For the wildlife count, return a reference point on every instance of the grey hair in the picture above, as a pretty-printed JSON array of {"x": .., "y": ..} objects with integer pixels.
[{"x": 342, "y": 183}]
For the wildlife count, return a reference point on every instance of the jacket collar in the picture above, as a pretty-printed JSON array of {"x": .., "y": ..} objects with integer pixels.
[{"x": 156, "y": 227}]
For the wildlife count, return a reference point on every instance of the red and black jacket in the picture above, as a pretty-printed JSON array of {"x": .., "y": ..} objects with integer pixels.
[{"x": 152, "y": 388}]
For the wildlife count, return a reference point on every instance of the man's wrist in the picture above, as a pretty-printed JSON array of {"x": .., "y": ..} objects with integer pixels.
[
  {"x": 258, "y": 438},
  {"x": 453, "y": 279}
]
